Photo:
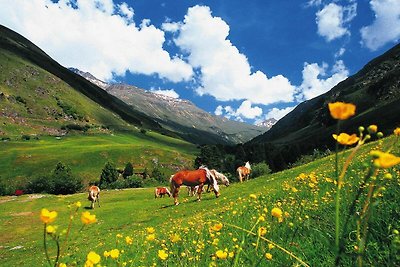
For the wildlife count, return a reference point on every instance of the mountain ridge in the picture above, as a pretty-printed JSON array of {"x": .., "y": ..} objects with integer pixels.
[
  {"x": 375, "y": 90},
  {"x": 177, "y": 114}
]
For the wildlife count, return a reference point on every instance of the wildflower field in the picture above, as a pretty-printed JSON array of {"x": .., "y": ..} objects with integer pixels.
[{"x": 342, "y": 210}]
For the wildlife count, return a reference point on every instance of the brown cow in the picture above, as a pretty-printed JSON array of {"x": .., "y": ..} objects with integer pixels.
[
  {"x": 198, "y": 177},
  {"x": 94, "y": 195},
  {"x": 161, "y": 191}
]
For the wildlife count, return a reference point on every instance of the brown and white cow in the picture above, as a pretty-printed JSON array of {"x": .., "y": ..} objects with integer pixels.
[
  {"x": 94, "y": 195},
  {"x": 161, "y": 191},
  {"x": 244, "y": 172}
]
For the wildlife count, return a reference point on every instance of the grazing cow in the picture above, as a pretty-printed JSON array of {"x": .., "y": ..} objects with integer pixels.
[
  {"x": 161, "y": 191},
  {"x": 94, "y": 195},
  {"x": 244, "y": 172},
  {"x": 198, "y": 177}
]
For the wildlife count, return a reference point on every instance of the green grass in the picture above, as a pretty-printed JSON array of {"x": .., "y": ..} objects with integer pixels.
[
  {"x": 307, "y": 230},
  {"x": 87, "y": 154}
]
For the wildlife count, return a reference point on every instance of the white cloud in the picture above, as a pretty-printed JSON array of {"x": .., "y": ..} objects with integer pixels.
[
  {"x": 170, "y": 93},
  {"x": 247, "y": 111},
  {"x": 225, "y": 73},
  {"x": 340, "y": 53},
  {"x": 277, "y": 113},
  {"x": 386, "y": 26},
  {"x": 126, "y": 10},
  {"x": 97, "y": 38},
  {"x": 332, "y": 20},
  {"x": 313, "y": 85},
  {"x": 244, "y": 111}
]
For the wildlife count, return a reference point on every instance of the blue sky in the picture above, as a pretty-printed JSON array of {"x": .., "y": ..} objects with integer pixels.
[{"x": 246, "y": 60}]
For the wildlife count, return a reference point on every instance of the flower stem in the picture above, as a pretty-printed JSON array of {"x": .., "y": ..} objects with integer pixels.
[{"x": 45, "y": 244}]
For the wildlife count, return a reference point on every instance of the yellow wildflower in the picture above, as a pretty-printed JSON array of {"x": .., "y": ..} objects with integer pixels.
[
  {"x": 276, "y": 212},
  {"x": 215, "y": 242},
  {"x": 216, "y": 227},
  {"x": 88, "y": 218},
  {"x": 93, "y": 257},
  {"x": 106, "y": 254},
  {"x": 270, "y": 246},
  {"x": 261, "y": 218},
  {"x": 175, "y": 238},
  {"x": 128, "y": 240},
  {"x": 50, "y": 229},
  {"x": 78, "y": 204},
  {"x": 150, "y": 230},
  {"x": 162, "y": 254},
  {"x": 268, "y": 256},
  {"x": 262, "y": 231},
  {"x": 341, "y": 110},
  {"x": 253, "y": 196},
  {"x": 48, "y": 216},
  {"x": 397, "y": 131},
  {"x": 384, "y": 160},
  {"x": 114, "y": 253},
  {"x": 62, "y": 265},
  {"x": 221, "y": 254},
  {"x": 345, "y": 139},
  {"x": 151, "y": 237}
]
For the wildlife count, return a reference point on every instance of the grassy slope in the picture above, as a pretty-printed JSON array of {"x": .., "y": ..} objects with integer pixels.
[
  {"x": 87, "y": 154},
  {"x": 37, "y": 111},
  {"x": 308, "y": 231}
]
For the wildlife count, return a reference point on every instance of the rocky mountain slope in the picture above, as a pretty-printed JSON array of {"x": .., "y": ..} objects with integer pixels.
[
  {"x": 180, "y": 115},
  {"x": 375, "y": 90}
]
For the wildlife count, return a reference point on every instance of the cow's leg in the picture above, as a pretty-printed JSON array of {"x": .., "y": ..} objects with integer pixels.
[
  {"x": 92, "y": 204},
  {"x": 199, "y": 191},
  {"x": 98, "y": 200},
  {"x": 175, "y": 193}
]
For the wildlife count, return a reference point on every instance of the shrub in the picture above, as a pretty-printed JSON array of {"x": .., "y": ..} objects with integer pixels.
[
  {"x": 260, "y": 169},
  {"x": 40, "y": 184},
  {"x": 128, "y": 171},
  {"x": 60, "y": 181},
  {"x": 109, "y": 175},
  {"x": 134, "y": 181}
]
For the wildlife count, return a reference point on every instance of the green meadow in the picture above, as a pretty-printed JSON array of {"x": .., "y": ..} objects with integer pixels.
[
  {"x": 86, "y": 155},
  {"x": 283, "y": 219}
]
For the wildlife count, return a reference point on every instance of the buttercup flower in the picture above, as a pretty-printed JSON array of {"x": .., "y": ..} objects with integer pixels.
[
  {"x": 253, "y": 196},
  {"x": 150, "y": 230},
  {"x": 276, "y": 212},
  {"x": 50, "y": 229},
  {"x": 88, "y": 218},
  {"x": 262, "y": 231},
  {"x": 93, "y": 257},
  {"x": 341, "y": 110},
  {"x": 114, "y": 253},
  {"x": 397, "y": 131},
  {"x": 48, "y": 216},
  {"x": 216, "y": 227},
  {"x": 128, "y": 240},
  {"x": 162, "y": 254},
  {"x": 268, "y": 256},
  {"x": 345, "y": 139},
  {"x": 221, "y": 254},
  {"x": 62, "y": 265},
  {"x": 175, "y": 238},
  {"x": 384, "y": 160},
  {"x": 151, "y": 237}
]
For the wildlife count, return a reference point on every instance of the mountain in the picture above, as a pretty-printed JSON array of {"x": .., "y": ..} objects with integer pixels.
[
  {"x": 181, "y": 116},
  {"x": 39, "y": 96},
  {"x": 267, "y": 123},
  {"x": 375, "y": 90}
]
